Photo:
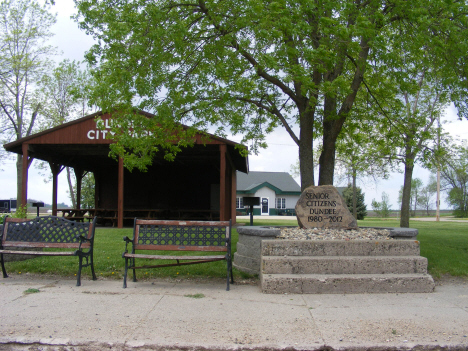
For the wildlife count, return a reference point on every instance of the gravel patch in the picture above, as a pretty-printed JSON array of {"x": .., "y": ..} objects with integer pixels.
[{"x": 334, "y": 234}]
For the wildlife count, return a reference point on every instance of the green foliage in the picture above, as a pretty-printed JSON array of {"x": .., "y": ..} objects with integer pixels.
[
  {"x": 458, "y": 199},
  {"x": 87, "y": 191},
  {"x": 454, "y": 174},
  {"x": 426, "y": 197},
  {"x": 64, "y": 93},
  {"x": 24, "y": 59},
  {"x": 360, "y": 153},
  {"x": 21, "y": 212},
  {"x": 251, "y": 66},
  {"x": 2, "y": 218},
  {"x": 360, "y": 201},
  {"x": 382, "y": 208},
  {"x": 24, "y": 28}
]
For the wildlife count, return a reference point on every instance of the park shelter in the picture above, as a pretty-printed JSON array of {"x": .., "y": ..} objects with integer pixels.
[{"x": 199, "y": 184}]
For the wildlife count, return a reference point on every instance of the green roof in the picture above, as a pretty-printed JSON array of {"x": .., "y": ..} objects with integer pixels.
[{"x": 280, "y": 182}]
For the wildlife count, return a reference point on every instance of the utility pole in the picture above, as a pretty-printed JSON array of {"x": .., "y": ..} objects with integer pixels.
[{"x": 438, "y": 171}]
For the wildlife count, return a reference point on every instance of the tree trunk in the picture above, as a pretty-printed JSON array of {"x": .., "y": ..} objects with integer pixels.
[
  {"x": 327, "y": 162},
  {"x": 405, "y": 200},
  {"x": 332, "y": 125},
  {"x": 70, "y": 188},
  {"x": 306, "y": 150},
  {"x": 354, "y": 195}
]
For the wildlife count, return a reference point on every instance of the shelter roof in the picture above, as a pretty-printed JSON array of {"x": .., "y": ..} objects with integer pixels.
[{"x": 81, "y": 144}]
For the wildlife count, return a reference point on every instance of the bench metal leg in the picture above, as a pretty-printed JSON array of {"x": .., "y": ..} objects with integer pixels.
[
  {"x": 78, "y": 276},
  {"x": 125, "y": 273},
  {"x": 232, "y": 275},
  {"x": 5, "y": 275},
  {"x": 92, "y": 267},
  {"x": 134, "y": 270},
  {"x": 229, "y": 272}
]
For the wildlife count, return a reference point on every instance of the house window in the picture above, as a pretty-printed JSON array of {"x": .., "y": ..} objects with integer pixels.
[
  {"x": 280, "y": 203},
  {"x": 239, "y": 202}
]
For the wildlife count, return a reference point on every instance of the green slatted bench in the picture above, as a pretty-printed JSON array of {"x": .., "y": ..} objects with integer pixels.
[
  {"x": 49, "y": 232},
  {"x": 161, "y": 235}
]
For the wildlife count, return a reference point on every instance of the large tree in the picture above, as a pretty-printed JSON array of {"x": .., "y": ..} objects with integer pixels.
[
  {"x": 24, "y": 31},
  {"x": 426, "y": 198},
  {"x": 454, "y": 174},
  {"x": 64, "y": 96},
  {"x": 249, "y": 65},
  {"x": 360, "y": 153},
  {"x": 412, "y": 130}
]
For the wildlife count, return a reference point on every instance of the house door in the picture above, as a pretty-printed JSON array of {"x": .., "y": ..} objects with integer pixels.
[{"x": 265, "y": 208}]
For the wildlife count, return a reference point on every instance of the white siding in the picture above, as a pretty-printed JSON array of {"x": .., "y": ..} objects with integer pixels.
[
  {"x": 291, "y": 200},
  {"x": 268, "y": 193}
]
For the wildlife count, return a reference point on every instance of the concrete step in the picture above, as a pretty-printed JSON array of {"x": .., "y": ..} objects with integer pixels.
[
  {"x": 346, "y": 283},
  {"x": 340, "y": 248},
  {"x": 344, "y": 265}
]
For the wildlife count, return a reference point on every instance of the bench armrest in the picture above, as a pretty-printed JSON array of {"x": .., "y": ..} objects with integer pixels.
[
  {"x": 84, "y": 239},
  {"x": 127, "y": 241}
]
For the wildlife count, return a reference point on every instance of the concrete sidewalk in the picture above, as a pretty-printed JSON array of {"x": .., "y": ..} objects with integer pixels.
[{"x": 189, "y": 315}]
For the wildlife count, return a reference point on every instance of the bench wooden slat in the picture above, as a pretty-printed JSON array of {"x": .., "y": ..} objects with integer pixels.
[
  {"x": 39, "y": 253},
  {"x": 180, "y": 248},
  {"x": 45, "y": 245},
  {"x": 166, "y": 257}
]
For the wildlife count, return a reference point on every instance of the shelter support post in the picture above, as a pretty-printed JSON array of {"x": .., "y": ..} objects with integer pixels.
[
  {"x": 120, "y": 195},
  {"x": 222, "y": 183},
  {"x": 56, "y": 169},
  {"x": 233, "y": 195},
  {"x": 24, "y": 175}
]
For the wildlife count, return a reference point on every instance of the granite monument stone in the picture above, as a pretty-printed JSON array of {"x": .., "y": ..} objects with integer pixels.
[{"x": 323, "y": 207}]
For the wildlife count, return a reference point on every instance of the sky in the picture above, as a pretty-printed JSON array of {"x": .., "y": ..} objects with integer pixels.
[{"x": 278, "y": 157}]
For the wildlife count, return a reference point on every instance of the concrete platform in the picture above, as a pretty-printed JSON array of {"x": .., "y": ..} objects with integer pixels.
[
  {"x": 343, "y": 267},
  {"x": 201, "y": 315},
  {"x": 346, "y": 283}
]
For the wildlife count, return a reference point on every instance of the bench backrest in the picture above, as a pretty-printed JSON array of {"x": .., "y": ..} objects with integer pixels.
[
  {"x": 47, "y": 231},
  {"x": 182, "y": 235}
]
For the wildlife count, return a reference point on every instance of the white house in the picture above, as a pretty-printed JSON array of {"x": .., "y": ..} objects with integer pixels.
[{"x": 278, "y": 192}]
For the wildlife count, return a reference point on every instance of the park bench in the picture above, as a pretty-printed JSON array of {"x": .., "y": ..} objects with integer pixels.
[
  {"x": 49, "y": 232},
  {"x": 161, "y": 235}
]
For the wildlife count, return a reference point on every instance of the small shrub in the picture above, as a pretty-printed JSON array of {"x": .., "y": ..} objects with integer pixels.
[
  {"x": 21, "y": 212},
  {"x": 382, "y": 209}
]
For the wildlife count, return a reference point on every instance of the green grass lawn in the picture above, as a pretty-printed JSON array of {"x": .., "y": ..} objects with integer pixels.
[{"x": 445, "y": 244}]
